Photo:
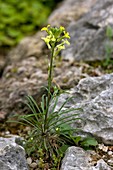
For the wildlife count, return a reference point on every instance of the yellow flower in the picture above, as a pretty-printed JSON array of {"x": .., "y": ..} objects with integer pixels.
[
  {"x": 67, "y": 42},
  {"x": 62, "y": 28},
  {"x": 45, "y": 28},
  {"x": 66, "y": 35}
]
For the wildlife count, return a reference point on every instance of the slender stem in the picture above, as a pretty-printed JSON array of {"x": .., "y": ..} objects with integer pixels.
[
  {"x": 49, "y": 85},
  {"x": 50, "y": 74}
]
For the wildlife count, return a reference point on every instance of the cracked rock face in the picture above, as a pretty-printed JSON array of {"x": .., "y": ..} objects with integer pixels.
[
  {"x": 88, "y": 35},
  {"x": 78, "y": 159},
  {"x": 12, "y": 155},
  {"x": 95, "y": 96}
]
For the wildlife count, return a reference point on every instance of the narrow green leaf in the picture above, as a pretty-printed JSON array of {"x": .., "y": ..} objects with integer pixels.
[
  {"x": 30, "y": 104},
  {"x": 54, "y": 106},
  {"x": 34, "y": 102},
  {"x": 43, "y": 104},
  {"x": 63, "y": 120},
  {"x": 64, "y": 103},
  {"x": 58, "y": 114},
  {"x": 29, "y": 122}
]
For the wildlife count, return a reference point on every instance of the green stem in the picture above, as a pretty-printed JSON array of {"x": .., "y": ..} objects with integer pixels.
[
  {"x": 49, "y": 86},
  {"x": 50, "y": 75}
]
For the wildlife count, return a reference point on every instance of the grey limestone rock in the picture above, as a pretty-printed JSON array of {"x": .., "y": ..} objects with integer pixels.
[
  {"x": 75, "y": 158},
  {"x": 88, "y": 34},
  {"x": 70, "y": 10},
  {"x": 12, "y": 155},
  {"x": 95, "y": 96},
  {"x": 78, "y": 159}
]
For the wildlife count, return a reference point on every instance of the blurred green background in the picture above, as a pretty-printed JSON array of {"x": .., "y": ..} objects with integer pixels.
[{"x": 19, "y": 18}]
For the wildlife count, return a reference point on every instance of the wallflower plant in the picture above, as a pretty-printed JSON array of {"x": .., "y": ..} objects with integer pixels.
[{"x": 51, "y": 130}]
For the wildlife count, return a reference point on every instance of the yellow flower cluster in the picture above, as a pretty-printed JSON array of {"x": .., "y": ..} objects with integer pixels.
[{"x": 56, "y": 38}]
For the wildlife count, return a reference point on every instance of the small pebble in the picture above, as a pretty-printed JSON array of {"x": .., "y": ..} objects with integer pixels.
[
  {"x": 110, "y": 152},
  {"x": 29, "y": 161},
  {"x": 105, "y": 148},
  {"x": 37, "y": 161},
  {"x": 103, "y": 156},
  {"x": 100, "y": 146},
  {"x": 7, "y": 132},
  {"x": 33, "y": 165},
  {"x": 110, "y": 162}
]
